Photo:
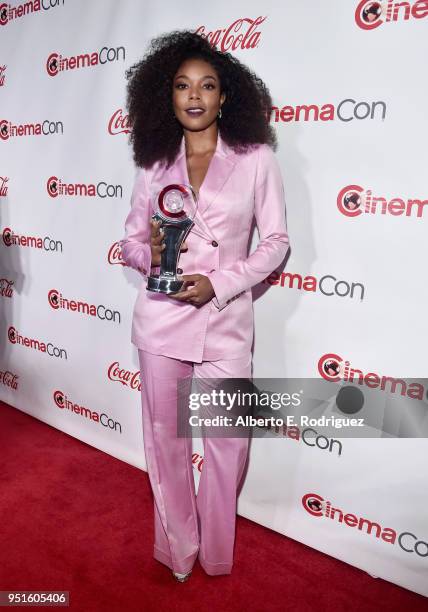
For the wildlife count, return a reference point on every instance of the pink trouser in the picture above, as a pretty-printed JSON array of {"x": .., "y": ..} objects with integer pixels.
[{"x": 189, "y": 525}]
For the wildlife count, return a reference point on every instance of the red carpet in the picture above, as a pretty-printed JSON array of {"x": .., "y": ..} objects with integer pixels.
[{"x": 76, "y": 519}]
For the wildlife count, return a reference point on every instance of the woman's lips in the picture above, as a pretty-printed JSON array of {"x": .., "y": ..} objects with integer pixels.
[{"x": 194, "y": 113}]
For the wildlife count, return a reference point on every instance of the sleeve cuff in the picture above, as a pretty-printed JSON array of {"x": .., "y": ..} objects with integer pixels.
[
  {"x": 146, "y": 260},
  {"x": 220, "y": 298}
]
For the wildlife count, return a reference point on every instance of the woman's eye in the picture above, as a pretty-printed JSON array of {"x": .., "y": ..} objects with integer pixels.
[{"x": 181, "y": 85}]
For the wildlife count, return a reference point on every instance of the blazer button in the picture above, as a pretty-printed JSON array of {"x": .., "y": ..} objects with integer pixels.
[
  {"x": 214, "y": 243},
  {"x": 179, "y": 271}
]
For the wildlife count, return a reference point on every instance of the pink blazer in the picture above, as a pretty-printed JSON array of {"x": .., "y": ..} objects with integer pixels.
[{"x": 236, "y": 188}]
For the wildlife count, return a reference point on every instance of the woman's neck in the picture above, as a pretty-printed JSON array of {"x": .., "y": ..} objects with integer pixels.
[{"x": 201, "y": 143}]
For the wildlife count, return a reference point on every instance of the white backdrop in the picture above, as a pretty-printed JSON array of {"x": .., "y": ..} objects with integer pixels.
[{"x": 350, "y": 110}]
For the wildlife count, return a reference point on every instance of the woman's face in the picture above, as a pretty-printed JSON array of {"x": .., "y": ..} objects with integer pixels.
[{"x": 196, "y": 85}]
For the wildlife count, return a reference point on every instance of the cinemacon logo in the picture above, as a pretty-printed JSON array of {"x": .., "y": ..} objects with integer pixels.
[
  {"x": 334, "y": 368},
  {"x": 56, "y": 187},
  {"x": 37, "y": 345},
  {"x": 353, "y": 201},
  {"x": 317, "y": 506},
  {"x": 62, "y": 402},
  {"x": 370, "y": 15},
  {"x": 8, "y": 13},
  {"x": 241, "y": 34},
  {"x": 57, "y": 301},
  {"x": 57, "y": 63},
  {"x": 328, "y": 284},
  {"x": 346, "y": 110},
  {"x": 34, "y": 242},
  {"x": 45, "y": 128},
  {"x": 123, "y": 376}
]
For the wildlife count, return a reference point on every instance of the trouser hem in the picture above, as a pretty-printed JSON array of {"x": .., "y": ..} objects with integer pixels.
[
  {"x": 182, "y": 566},
  {"x": 215, "y": 569}
]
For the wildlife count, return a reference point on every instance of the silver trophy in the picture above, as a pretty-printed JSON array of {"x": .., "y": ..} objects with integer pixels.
[{"x": 176, "y": 207}]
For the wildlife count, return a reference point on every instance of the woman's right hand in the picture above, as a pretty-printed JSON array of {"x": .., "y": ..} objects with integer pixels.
[{"x": 157, "y": 246}]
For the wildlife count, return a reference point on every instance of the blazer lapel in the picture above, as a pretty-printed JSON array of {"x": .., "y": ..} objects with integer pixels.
[{"x": 221, "y": 165}]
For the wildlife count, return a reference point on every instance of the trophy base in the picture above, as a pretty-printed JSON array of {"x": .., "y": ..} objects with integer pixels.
[{"x": 164, "y": 285}]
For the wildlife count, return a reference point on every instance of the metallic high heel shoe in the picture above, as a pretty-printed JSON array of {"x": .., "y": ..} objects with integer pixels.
[{"x": 181, "y": 577}]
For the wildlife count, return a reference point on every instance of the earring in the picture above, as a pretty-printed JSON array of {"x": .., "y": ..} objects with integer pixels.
[{"x": 219, "y": 114}]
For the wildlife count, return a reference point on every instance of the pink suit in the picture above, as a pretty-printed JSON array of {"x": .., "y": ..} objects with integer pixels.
[{"x": 176, "y": 339}]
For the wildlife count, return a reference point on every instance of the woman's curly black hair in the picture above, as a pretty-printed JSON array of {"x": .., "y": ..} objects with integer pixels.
[{"x": 156, "y": 133}]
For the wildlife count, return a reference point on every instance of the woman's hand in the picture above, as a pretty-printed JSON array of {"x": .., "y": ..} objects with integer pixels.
[
  {"x": 157, "y": 246},
  {"x": 200, "y": 292}
]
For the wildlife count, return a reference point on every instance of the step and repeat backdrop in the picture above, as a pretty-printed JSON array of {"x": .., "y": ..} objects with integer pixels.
[{"x": 348, "y": 84}]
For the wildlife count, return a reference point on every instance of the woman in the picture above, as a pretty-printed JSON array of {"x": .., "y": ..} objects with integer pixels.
[{"x": 206, "y": 329}]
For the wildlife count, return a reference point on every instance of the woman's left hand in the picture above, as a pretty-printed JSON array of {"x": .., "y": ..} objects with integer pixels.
[{"x": 198, "y": 293}]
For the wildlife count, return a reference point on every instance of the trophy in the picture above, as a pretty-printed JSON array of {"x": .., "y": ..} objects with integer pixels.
[{"x": 176, "y": 207}]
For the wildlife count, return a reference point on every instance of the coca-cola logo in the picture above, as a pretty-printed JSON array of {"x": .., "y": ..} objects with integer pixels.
[
  {"x": 119, "y": 123},
  {"x": 8, "y": 379},
  {"x": 197, "y": 461},
  {"x": 241, "y": 34},
  {"x": 114, "y": 255},
  {"x": 124, "y": 376},
  {"x": 6, "y": 287},
  {"x": 3, "y": 186}
]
